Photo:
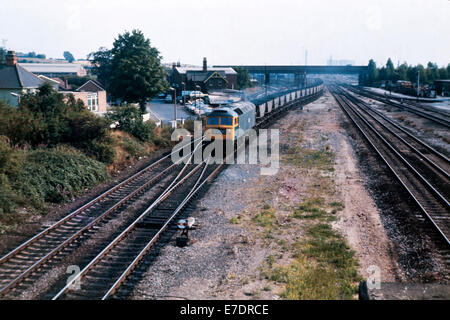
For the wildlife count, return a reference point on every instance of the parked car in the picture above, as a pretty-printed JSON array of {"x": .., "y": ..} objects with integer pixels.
[{"x": 168, "y": 99}]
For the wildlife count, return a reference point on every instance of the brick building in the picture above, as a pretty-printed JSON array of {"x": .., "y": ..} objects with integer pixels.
[
  {"x": 93, "y": 95},
  {"x": 207, "y": 78}
]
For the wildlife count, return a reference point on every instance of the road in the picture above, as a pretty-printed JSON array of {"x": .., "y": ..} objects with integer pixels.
[{"x": 164, "y": 111}]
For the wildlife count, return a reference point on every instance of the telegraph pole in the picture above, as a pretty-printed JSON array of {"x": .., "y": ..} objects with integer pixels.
[{"x": 418, "y": 83}]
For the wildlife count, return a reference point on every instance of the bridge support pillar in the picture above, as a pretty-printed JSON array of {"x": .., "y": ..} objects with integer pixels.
[{"x": 297, "y": 79}]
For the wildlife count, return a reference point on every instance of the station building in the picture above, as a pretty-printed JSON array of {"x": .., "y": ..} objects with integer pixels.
[{"x": 204, "y": 78}]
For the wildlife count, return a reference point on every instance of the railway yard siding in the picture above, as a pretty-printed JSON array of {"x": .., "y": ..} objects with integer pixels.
[{"x": 250, "y": 243}]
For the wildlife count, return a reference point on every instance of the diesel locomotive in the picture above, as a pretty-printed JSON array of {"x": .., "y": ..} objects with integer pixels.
[{"x": 235, "y": 119}]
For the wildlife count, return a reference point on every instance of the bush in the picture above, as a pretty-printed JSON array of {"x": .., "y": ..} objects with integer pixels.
[
  {"x": 50, "y": 119},
  {"x": 163, "y": 138},
  {"x": 129, "y": 119},
  {"x": 57, "y": 174}
]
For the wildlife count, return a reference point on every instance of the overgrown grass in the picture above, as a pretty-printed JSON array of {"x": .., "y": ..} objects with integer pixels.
[
  {"x": 310, "y": 209},
  {"x": 55, "y": 175},
  {"x": 322, "y": 265},
  {"x": 323, "y": 268},
  {"x": 308, "y": 158},
  {"x": 45, "y": 176},
  {"x": 266, "y": 218}
]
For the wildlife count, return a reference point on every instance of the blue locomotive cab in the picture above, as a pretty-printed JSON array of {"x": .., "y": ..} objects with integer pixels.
[{"x": 231, "y": 121}]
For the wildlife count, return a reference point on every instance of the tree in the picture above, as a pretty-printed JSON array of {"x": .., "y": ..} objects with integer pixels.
[
  {"x": 402, "y": 71},
  {"x": 129, "y": 119},
  {"x": 68, "y": 56},
  {"x": 132, "y": 69},
  {"x": 372, "y": 73},
  {"x": 101, "y": 61},
  {"x": 243, "y": 78},
  {"x": 443, "y": 74},
  {"x": 390, "y": 70},
  {"x": 432, "y": 72},
  {"x": 2, "y": 56}
]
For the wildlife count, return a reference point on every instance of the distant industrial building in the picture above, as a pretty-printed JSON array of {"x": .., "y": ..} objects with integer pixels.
[
  {"x": 16, "y": 80},
  {"x": 53, "y": 70},
  {"x": 204, "y": 78},
  {"x": 341, "y": 62}
]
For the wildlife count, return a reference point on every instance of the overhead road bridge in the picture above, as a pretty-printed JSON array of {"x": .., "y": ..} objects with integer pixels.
[{"x": 300, "y": 71}]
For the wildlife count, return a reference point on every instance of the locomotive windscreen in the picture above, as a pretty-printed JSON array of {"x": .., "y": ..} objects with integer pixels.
[
  {"x": 226, "y": 121},
  {"x": 213, "y": 121}
]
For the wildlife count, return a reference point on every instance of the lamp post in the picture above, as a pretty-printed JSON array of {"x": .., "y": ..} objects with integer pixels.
[
  {"x": 174, "y": 104},
  {"x": 418, "y": 83},
  {"x": 184, "y": 93}
]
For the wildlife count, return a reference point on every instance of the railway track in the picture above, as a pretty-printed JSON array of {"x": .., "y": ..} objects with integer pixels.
[
  {"x": 103, "y": 275},
  {"x": 439, "y": 117},
  {"x": 63, "y": 236},
  {"x": 420, "y": 170},
  {"x": 107, "y": 237}
]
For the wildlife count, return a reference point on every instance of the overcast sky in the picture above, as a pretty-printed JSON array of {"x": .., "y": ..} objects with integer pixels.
[{"x": 237, "y": 31}]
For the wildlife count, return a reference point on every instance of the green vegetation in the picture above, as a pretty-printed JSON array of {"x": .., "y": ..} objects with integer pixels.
[
  {"x": 324, "y": 266},
  {"x": 404, "y": 72},
  {"x": 75, "y": 82},
  {"x": 33, "y": 178},
  {"x": 131, "y": 70},
  {"x": 309, "y": 158},
  {"x": 243, "y": 78},
  {"x": 52, "y": 149},
  {"x": 310, "y": 209},
  {"x": 47, "y": 119},
  {"x": 317, "y": 263},
  {"x": 266, "y": 218},
  {"x": 129, "y": 119},
  {"x": 68, "y": 56},
  {"x": 2, "y": 55}
]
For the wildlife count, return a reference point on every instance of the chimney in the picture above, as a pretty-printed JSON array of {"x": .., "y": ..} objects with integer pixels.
[
  {"x": 205, "y": 65},
  {"x": 178, "y": 64},
  {"x": 11, "y": 58},
  {"x": 173, "y": 65}
]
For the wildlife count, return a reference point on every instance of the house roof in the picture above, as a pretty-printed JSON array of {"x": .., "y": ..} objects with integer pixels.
[
  {"x": 51, "y": 80},
  {"x": 216, "y": 74},
  {"x": 199, "y": 75},
  {"x": 16, "y": 77},
  {"x": 183, "y": 70},
  {"x": 91, "y": 86},
  {"x": 52, "y": 67}
]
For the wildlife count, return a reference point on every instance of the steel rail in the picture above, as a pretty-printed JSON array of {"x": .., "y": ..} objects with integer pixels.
[
  {"x": 423, "y": 114},
  {"x": 432, "y": 163},
  {"x": 411, "y": 167},
  {"x": 424, "y": 144},
  {"x": 33, "y": 239},
  {"x": 113, "y": 243},
  {"x": 141, "y": 254},
  {"x": 73, "y": 237},
  {"x": 372, "y": 144}
]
